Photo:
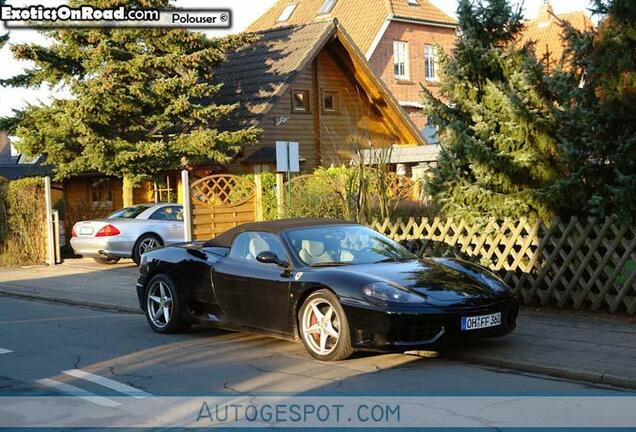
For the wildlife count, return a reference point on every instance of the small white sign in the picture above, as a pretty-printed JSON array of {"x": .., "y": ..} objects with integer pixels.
[{"x": 287, "y": 157}]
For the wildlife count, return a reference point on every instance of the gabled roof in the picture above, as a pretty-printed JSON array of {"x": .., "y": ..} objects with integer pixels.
[
  {"x": 363, "y": 19},
  {"x": 424, "y": 11},
  {"x": 18, "y": 171},
  {"x": 546, "y": 31},
  {"x": 256, "y": 76}
]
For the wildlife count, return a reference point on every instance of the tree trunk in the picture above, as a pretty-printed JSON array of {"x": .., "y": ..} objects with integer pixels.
[{"x": 127, "y": 192}]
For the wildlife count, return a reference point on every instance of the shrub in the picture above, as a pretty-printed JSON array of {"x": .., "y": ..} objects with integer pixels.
[
  {"x": 24, "y": 240},
  {"x": 313, "y": 196},
  {"x": 270, "y": 210}
]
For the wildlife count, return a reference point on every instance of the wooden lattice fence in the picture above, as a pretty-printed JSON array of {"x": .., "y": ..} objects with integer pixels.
[
  {"x": 223, "y": 201},
  {"x": 566, "y": 263}
]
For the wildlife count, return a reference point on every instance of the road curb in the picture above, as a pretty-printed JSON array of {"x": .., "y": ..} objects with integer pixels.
[
  {"x": 540, "y": 369},
  {"x": 72, "y": 302}
]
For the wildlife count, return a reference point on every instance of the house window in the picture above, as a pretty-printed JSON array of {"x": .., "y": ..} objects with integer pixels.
[
  {"x": 300, "y": 101},
  {"x": 413, "y": 2},
  {"x": 329, "y": 101},
  {"x": 401, "y": 60},
  {"x": 430, "y": 62},
  {"x": 327, "y": 6},
  {"x": 262, "y": 168},
  {"x": 164, "y": 189},
  {"x": 101, "y": 192},
  {"x": 287, "y": 13}
]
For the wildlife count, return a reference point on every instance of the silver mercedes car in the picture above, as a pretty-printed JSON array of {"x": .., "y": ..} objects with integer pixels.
[{"x": 128, "y": 232}]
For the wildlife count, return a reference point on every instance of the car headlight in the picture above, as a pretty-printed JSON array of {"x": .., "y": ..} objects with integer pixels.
[{"x": 391, "y": 293}]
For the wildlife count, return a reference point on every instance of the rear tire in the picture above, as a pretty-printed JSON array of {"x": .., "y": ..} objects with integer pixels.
[
  {"x": 324, "y": 328},
  {"x": 145, "y": 243},
  {"x": 106, "y": 260},
  {"x": 163, "y": 307}
]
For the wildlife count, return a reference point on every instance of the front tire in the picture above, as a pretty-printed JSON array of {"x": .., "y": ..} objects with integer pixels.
[
  {"x": 145, "y": 243},
  {"x": 324, "y": 328},
  {"x": 163, "y": 308}
]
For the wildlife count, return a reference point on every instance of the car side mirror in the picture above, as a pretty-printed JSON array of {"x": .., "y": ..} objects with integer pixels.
[{"x": 269, "y": 257}]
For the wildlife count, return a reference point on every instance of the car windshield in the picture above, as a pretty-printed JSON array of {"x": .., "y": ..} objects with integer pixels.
[
  {"x": 344, "y": 245},
  {"x": 129, "y": 212}
]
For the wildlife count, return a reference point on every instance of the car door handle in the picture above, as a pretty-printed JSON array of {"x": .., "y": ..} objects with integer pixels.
[{"x": 175, "y": 226}]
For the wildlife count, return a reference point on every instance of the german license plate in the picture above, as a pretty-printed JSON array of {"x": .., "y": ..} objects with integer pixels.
[
  {"x": 480, "y": 322},
  {"x": 86, "y": 230}
]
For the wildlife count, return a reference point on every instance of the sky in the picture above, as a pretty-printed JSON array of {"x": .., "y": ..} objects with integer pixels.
[{"x": 244, "y": 12}]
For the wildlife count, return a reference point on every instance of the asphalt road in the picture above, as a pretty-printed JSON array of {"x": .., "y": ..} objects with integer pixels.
[{"x": 110, "y": 354}]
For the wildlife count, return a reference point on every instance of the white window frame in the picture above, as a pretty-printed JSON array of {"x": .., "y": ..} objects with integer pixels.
[
  {"x": 286, "y": 14},
  {"x": 430, "y": 54},
  {"x": 401, "y": 55}
]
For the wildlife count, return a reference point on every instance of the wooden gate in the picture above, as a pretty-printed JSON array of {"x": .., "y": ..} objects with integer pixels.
[{"x": 221, "y": 202}]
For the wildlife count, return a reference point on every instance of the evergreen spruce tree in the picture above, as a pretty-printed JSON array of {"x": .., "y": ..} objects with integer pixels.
[
  {"x": 141, "y": 102},
  {"x": 595, "y": 104},
  {"x": 499, "y": 157}
]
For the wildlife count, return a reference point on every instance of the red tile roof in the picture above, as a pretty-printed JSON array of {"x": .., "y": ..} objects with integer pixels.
[
  {"x": 363, "y": 19},
  {"x": 546, "y": 32}
]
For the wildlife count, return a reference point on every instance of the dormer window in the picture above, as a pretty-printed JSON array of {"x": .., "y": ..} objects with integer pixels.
[
  {"x": 287, "y": 13},
  {"x": 413, "y": 2},
  {"x": 326, "y": 7}
]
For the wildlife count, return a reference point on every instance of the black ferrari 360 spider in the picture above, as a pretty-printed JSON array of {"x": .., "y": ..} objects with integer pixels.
[{"x": 335, "y": 285}]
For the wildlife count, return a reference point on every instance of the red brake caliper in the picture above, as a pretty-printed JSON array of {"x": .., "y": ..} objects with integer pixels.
[{"x": 312, "y": 321}]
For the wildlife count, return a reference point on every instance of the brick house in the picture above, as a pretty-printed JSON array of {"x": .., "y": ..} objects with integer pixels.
[{"x": 398, "y": 37}]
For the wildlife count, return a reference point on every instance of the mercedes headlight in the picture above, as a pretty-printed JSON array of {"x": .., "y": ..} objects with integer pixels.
[{"x": 389, "y": 292}]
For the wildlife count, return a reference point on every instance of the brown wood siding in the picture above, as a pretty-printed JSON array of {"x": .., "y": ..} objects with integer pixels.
[
  {"x": 299, "y": 126},
  {"x": 356, "y": 123},
  {"x": 324, "y": 138}
]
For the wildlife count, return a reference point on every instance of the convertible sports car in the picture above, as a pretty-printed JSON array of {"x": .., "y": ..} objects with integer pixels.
[{"x": 335, "y": 285}]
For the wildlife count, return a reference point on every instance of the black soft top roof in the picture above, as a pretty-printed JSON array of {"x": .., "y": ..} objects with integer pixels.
[{"x": 274, "y": 227}]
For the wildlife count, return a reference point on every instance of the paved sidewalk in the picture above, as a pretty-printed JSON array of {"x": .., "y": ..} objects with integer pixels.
[
  {"x": 587, "y": 347},
  {"x": 77, "y": 281}
]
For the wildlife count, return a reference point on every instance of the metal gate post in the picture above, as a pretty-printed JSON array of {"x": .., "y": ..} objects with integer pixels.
[
  {"x": 56, "y": 236},
  {"x": 50, "y": 233},
  {"x": 187, "y": 207}
]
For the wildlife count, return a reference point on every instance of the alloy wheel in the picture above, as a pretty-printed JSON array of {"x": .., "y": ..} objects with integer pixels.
[
  {"x": 148, "y": 244},
  {"x": 159, "y": 303},
  {"x": 320, "y": 326}
]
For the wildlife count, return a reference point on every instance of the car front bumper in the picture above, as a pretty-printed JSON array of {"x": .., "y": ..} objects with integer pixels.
[
  {"x": 403, "y": 330},
  {"x": 116, "y": 247}
]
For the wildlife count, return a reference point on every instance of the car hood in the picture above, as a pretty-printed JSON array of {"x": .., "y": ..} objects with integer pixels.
[{"x": 445, "y": 280}]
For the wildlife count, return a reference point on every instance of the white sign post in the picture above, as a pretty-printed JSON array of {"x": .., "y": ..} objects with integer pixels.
[
  {"x": 287, "y": 159},
  {"x": 187, "y": 206},
  {"x": 50, "y": 233}
]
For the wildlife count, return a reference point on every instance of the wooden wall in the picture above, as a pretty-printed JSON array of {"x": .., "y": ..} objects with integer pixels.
[
  {"x": 355, "y": 124},
  {"x": 77, "y": 196},
  {"x": 324, "y": 138}
]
